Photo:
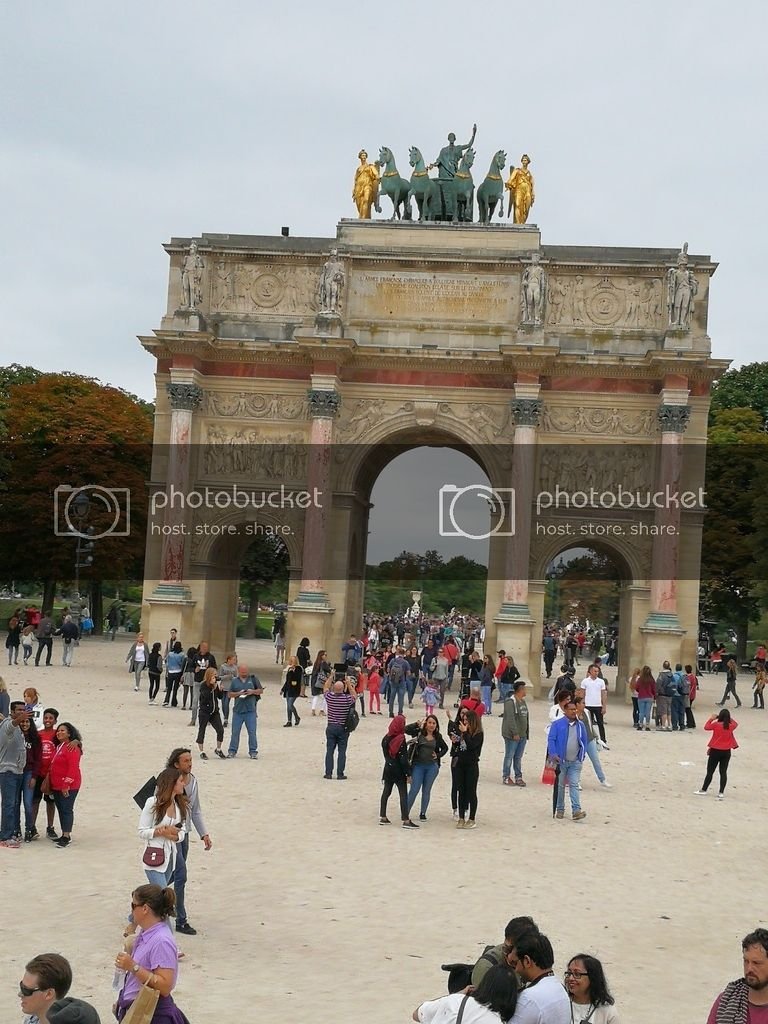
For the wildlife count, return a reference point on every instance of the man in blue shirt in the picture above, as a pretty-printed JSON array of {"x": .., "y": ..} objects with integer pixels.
[
  {"x": 244, "y": 691},
  {"x": 567, "y": 745}
]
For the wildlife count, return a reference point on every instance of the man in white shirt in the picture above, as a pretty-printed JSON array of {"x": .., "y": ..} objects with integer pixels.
[
  {"x": 596, "y": 697},
  {"x": 543, "y": 1000}
]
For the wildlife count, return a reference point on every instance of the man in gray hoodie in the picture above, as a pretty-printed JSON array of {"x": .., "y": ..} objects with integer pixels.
[
  {"x": 181, "y": 758},
  {"x": 13, "y": 758}
]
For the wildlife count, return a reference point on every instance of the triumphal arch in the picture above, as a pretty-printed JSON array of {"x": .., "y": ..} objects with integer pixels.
[{"x": 290, "y": 371}]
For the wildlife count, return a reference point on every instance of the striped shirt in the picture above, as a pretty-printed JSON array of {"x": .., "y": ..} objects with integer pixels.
[{"x": 338, "y": 704}]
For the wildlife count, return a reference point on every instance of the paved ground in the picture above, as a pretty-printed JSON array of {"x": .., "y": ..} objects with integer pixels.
[{"x": 307, "y": 909}]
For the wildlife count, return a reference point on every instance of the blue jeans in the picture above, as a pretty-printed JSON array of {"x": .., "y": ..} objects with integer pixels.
[
  {"x": 225, "y": 707},
  {"x": 422, "y": 778},
  {"x": 180, "y": 878},
  {"x": 65, "y": 805},
  {"x": 26, "y": 797},
  {"x": 678, "y": 714},
  {"x": 594, "y": 757},
  {"x": 336, "y": 738},
  {"x": 240, "y": 719},
  {"x": 513, "y": 758},
  {"x": 396, "y": 692},
  {"x": 10, "y": 788},
  {"x": 291, "y": 710},
  {"x": 485, "y": 692},
  {"x": 410, "y": 685},
  {"x": 161, "y": 878},
  {"x": 644, "y": 708},
  {"x": 570, "y": 773},
  {"x": 505, "y": 689}
]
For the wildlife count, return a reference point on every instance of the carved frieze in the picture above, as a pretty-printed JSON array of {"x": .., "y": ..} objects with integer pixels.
[
  {"x": 630, "y": 302},
  {"x": 576, "y": 468},
  {"x": 597, "y": 420},
  {"x": 241, "y": 404},
  {"x": 229, "y": 452},
  {"x": 246, "y": 288}
]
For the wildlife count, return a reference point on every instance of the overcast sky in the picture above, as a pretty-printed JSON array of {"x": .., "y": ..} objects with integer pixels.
[{"x": 125, "y": 124}]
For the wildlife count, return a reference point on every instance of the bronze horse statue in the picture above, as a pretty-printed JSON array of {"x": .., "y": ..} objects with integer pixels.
[
  {"x": 491, "y": 192},
  {"x": 394, "y": 186}
]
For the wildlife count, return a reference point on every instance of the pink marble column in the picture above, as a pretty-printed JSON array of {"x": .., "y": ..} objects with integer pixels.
[
  {"x": 184, "y": 398},
  {"x": 323, "y": 407},
  {"x": 526, "y": 412},
  {"x": 673, "y": 419}
]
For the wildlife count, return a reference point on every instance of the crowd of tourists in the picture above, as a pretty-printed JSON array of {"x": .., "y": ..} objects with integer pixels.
[{"x": 392, "y": 665}]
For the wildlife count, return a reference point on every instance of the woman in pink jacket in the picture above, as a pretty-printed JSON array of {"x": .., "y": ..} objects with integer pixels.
[
  {"x": 721, "y": 743},
  {"x": 65, "y": 779}
]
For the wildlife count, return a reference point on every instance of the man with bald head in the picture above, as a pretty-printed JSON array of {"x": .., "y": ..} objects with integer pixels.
[
  {"x": 339, "y": 698},
  {"x": 245, "y": 691}
]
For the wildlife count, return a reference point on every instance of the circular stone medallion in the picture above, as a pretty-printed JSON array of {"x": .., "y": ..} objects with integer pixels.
[
  {"x": 605, "y": 305},
  {"x": 267, "y": 290}
]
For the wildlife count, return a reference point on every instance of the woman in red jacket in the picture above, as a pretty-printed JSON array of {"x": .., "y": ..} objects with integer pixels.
[
  {"x": 65, "y": 778},
  {"x": 722, "y": 727}
]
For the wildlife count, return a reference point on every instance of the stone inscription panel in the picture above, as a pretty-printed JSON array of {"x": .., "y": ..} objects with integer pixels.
[{"x": 471, "y": 298}]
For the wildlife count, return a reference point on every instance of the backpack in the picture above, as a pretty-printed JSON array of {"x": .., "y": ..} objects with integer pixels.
[
  {"x": 396, "y": 673},
  {"x": 685, "y": 684},
  {"x": 668, "y": 684},
  {"x": 352, "y": 720}
]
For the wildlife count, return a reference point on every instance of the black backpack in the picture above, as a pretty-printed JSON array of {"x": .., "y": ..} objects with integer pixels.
[{"x": 352, "y": 720}]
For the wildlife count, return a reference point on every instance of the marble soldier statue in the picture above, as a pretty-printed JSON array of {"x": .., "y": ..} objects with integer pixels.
[
  {"x": 192, "y": 267},
  {"x": 331, "y": 284},
  {"x": 682, "y": 287}
]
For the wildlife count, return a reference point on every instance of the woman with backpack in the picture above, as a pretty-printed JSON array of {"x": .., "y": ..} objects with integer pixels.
[
  {"x": 730, "y": 684},
  {"x": 396, "y": 772},
  {"x": 722, "y": 743}
]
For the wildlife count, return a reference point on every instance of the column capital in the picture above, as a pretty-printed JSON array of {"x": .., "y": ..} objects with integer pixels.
[
  {"x": 184, "y": 396},
  {"x": 526, "y": 412},
  {"x": 323, "y": 403},
  {"x": 673, "y": 419}
]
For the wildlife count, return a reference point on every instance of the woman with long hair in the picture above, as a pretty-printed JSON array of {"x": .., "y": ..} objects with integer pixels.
[
  {"x": 320, "y": 672},
  {"x": 721, "y": 744},
  {"x": 645, "y": 687},
  {"x": 731, "y": 673},
  {"x": 136, "y": 658},
  {"x": 65, "y": 778},
  {"x": 467, "y": 753},
  {"x": 188, "y": 679},
  {"x": 208, "y": 713},
  {"x": 632, "y": 682},
  {"x": 304, "y": 658},
  {"x": 293, "y": 684},
  {"x": 154, "y": 959},
  {"x": 487, "y": 673},
  {"x": 492, "y": 1002},
  {"x": 429, "y": 747},
  {"x": 174, "y": 668},
  {"x": 162, "y": 826},
  {"x": 28, "y": 781},
  {"x": 396, "y": 771},
  {"x": 591, "y": 1000},
  {"x": 154, "y": 670},
  {"x": 414, "y": 661}
]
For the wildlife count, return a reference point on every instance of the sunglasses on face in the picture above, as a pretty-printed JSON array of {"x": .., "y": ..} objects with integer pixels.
[{"x": 26, "y": 991}]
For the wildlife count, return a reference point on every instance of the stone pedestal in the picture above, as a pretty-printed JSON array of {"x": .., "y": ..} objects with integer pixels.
[
  {"x": 661, "y": 641},
  {"x": 170, "y": 606},
  {"x": 328, "y": 324},
  {"x": 514, "y": 633}
]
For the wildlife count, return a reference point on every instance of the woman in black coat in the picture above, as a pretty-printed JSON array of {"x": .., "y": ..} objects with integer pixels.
[{"x": 396, "y": 771}]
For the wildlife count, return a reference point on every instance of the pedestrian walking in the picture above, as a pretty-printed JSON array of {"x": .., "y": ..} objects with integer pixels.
[
  {"x": 731, "y": 673},
  {"x": 396, "y": 772},
  {"x": 721, "y": 745}
]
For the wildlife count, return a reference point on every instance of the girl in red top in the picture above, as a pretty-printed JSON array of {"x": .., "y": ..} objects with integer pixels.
[
  {"x": 374, "y": 690},
  {"x": 722, "y": 727},
  {"x": 65, "y": 779}
]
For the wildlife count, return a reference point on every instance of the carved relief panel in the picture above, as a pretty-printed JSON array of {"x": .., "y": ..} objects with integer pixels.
[
  {"x": 238, "y": 287},
  {"x": 629, "y": 302}
]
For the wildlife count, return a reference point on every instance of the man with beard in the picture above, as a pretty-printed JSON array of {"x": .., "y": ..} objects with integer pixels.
[{"x": 745, "y": 1001}]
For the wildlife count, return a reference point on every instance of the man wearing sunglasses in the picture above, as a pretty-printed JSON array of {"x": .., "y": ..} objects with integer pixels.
[{"x": 47, "y": 977}]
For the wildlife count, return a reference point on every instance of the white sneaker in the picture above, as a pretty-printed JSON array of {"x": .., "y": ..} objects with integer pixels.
[
  {"x": 700, "y": 792},
  {"x": 721, "y": 796},
  {"x": 455, "y": 815},
  {"x": 135, "y": 689},
  {"x": 606, "y": 784}
]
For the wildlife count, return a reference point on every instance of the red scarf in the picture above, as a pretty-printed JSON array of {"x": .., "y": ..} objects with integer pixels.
[{"x": 396, "y": 734}]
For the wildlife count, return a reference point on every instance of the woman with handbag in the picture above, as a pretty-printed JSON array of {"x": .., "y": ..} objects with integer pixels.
[
  {"x": 293, "y": 684},
  {"x": 161, "y": 826},
  {"x": 136, "y": 659},
  {"x": 151, "y": 969},
  {"x": 424, "y": 756},
  {"x": 320, "y": 672},
  {"x": 304, "y": 658},
  {"x": 396, "y": 771}
]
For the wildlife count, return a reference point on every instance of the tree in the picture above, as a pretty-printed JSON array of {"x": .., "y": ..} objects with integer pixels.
[
  {"x": 65, "y": 432},
  {"x": 745, "y": 388},
  {"x": 735, "y": 536},
  {"x": 265, "y": 562}
]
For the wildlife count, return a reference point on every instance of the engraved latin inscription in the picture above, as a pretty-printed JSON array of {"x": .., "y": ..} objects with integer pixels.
[{"x": 407, "y": 296}]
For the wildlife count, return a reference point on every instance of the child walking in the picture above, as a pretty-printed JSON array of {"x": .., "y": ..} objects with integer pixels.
[
  {"x": 431, "y": 697},
  {"x": 26, "y": 642},
  {"x": 280, "y": 647},
  {"x": 374, "y": 689}
]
